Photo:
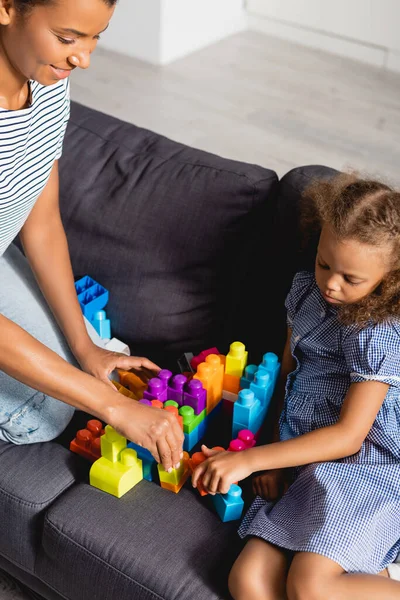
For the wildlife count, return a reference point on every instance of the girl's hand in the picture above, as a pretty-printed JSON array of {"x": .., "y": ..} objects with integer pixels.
[
  {"x": 100, "y": 363},
  {"x": 271, "y": 485},
  {"x": 220, "y": 470}
]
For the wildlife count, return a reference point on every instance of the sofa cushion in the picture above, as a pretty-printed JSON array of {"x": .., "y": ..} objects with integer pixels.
[
  {"x": 289, "y": 254},
  {"x": 31, "y": 478},
  {"x": 149, "y": 544},
  {"x": 172, "y": 232}
]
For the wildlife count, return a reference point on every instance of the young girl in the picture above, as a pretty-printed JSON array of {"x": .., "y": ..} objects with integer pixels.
[
  {"x": 43, "y": 343},
  {"x": 336, "y": 529}
]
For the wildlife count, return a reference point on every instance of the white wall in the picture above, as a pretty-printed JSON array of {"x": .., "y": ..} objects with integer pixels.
[
  {"x": 160, "y": 31},
  {"x": 366, "y": 30}
]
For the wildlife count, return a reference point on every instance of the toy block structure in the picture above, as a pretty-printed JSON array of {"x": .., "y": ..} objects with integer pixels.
[
  {"x": 87, "y": 441},
  {"x": 175, "y": 480},
  {"x": 118, "y": 469},
  {"x": 194, "y": 426},
  {"x": 229, "y": 506},
  {"x": 211, "y": 374},
  {"x": 248, "y": 413}
]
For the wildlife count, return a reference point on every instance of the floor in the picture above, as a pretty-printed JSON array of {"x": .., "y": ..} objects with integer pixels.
[
  {"x": 256, "y": 99},
  {"x": 261, "y": 100}
]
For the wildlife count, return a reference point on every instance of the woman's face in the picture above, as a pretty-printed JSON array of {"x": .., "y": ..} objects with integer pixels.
[{"x": 50, "y": 41}]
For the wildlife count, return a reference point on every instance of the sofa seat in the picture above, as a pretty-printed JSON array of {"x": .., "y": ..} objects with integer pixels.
[{"x": 150, "y": 544}]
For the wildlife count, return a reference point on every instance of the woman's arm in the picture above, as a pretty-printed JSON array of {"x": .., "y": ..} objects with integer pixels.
[
  {"x": 27, "y": 360},
  {"x": 342, "y": 439},
  {"x": 45, "y": 245}
]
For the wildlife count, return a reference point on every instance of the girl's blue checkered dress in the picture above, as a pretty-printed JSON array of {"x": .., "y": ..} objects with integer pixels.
[{"x": 347, "y": 510}]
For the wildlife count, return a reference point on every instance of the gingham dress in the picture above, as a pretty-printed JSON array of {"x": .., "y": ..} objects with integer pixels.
[{"x": 349, "y": 509}]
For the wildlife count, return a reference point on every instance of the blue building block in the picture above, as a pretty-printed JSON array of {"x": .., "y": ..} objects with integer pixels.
[
  {"x": 270, "y": 364},
  {"x": 92, "y": 296},
  {"x": 191, "y": 439},
  {"x": 149, "y": 463},
  {"x": 263, "y": 387},
  {"x": 248, "y": 413},
  {"x": 248, "y": 376},
  {"x": 229, "y": 506},
  {"x": 102, "y": 324}
]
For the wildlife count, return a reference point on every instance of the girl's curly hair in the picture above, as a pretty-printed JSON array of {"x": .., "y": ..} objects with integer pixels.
[{"x": 368, "y": 212}]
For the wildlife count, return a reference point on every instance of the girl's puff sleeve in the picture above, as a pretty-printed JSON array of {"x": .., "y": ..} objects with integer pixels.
[
  {"x": 373, "y": 353},
  {"x": 300, "y": 285}
]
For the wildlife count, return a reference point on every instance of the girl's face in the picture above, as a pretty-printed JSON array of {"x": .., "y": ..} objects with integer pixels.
[
  {"x": 346, "y": 270},
  {"x": 50, "y": 41}
]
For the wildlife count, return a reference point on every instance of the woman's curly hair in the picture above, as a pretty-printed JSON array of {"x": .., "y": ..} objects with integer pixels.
[{"x": 368, "y": 212}]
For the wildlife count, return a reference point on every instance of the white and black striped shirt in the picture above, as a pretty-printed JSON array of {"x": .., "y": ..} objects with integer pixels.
[{"x": 30, "y": 141}]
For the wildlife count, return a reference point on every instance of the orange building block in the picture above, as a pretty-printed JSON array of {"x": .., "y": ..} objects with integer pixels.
[
  {"x": 123, "y": 390},
  {"x": 231, "y": 383},
  {"x": 132, "y": 382}
]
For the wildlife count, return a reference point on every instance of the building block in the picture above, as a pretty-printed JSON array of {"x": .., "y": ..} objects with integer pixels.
[
  {"x": 92, "y": 296},
  {"x": 270, "y": 364},
  {"x": 195, "y": 395},
  {"x": 123, "y": 390},
  {"x": 217, "y": 379},
  {"x": 112, "y": 444},
  {"x": 248, "y": 413},
  {"x": 174, "y": 410},
  {"x": 175, "y": 480},
  {"x": 231, "y": 384},
  {"x": 149, "y": 463},
  {"x": 184, "y": 363},
  {"x": 116, "y": 345},
  {"x": 190, "y": 420},
  {"x": 229, "y": 506},
  {"x": 247, "y": 437},
  {"x": 263, "y": 388},
  {"x": 87, "y": 441},
  {"x": 248, "y": 376},
  {"x": 133, "y": 382},
  {"x": 236, "y": 359},
  {"x": 204, "y": 374},
  {"x": 156, "y": 390},
  {"x": 102, "y": 324},
  {"x": 201, "y": 357},
  {"x": 175, "y": 388},
  {"x": 117, "y": 477}
]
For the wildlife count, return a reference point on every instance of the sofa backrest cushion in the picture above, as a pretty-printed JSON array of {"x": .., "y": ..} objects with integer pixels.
[{"x": 177, "y": 235}]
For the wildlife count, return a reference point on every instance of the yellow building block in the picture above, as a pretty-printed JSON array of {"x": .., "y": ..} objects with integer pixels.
[
  {"x": 174, "y": 481},
  {"x": 118, "y": 477},
  {"x": 236, "y": 359},
  {"x": 112, "y": 444}
]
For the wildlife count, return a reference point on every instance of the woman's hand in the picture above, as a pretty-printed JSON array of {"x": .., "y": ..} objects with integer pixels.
[
  {"x": 101, "y": 363},
  {"x": 271, "y": 485},
  {"x": 153, "y": 428},
  {"x": 220, "y": 470}
]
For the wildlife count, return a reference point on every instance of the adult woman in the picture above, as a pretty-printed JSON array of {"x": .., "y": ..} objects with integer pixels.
[{"x": 41, "y": 42}]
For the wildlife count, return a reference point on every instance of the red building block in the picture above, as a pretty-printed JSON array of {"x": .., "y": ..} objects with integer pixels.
[{"x": 87, "y": 441}]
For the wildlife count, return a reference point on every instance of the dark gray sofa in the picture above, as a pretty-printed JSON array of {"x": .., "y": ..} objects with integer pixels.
[{"x": 196, "y": 251}]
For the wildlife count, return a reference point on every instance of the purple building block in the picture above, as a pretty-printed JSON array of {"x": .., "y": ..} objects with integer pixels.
[
  {"x": 156, "y": 390},
  {"x": 175, "y": 388},
  {"x": 195, "y": 395}
]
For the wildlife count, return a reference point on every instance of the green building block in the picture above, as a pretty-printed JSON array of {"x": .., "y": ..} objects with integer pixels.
[{"x": 190, "y": 420}]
